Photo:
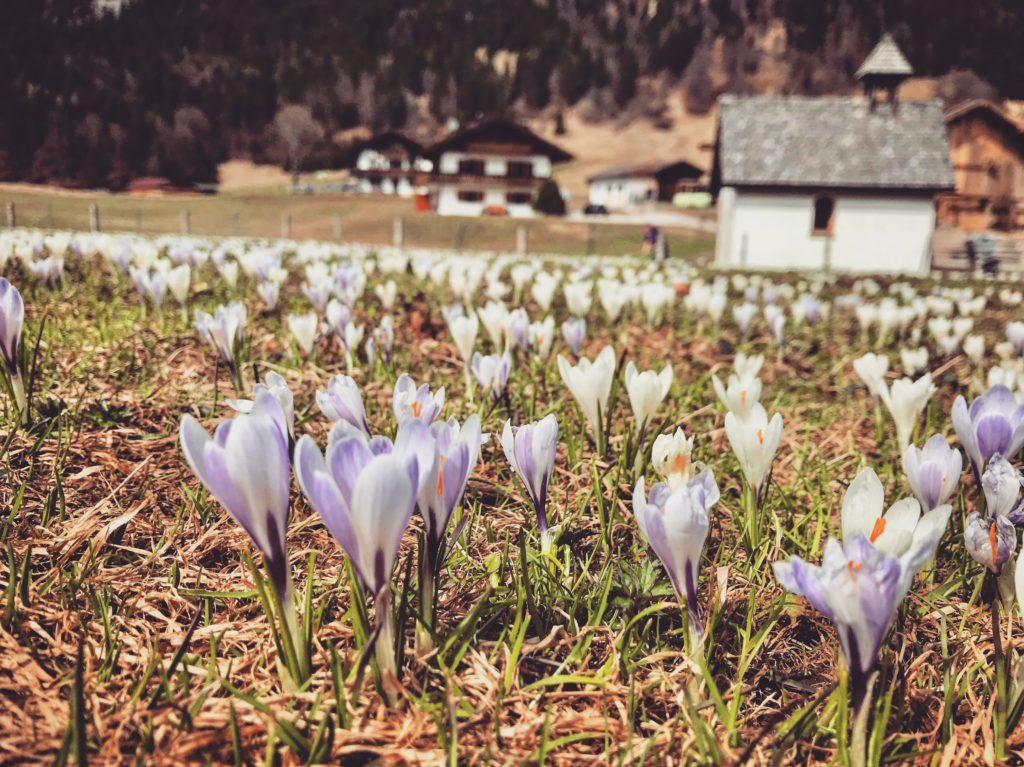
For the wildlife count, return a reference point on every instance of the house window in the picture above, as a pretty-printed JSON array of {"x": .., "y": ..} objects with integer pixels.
[
  {"x": 824, "y": 213},
  {"x": 518, "y": 198},
  {"x": 520, "y": 170},
  {"x": 470, "y": 195},
  {"x": 471, "y": 167}
]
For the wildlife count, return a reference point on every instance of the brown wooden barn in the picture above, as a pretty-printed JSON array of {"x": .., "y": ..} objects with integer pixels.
[{"x": 987, "y": 149}]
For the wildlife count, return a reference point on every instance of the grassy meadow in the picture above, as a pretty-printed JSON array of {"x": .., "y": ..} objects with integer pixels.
[
  {"x": 135, "y": 632},
  {"x": 369, "y": 219}
]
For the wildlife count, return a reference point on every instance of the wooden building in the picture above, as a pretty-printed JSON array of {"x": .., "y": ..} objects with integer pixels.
[
  {"x": 495, "y": 167},
  {"x": 631, "y": 186},
  {"x": 390, "y": 163},
  {"x": 987, "y": 149}
]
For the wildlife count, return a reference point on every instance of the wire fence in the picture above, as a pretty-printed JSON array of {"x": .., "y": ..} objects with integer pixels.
[{"x": 337, "y": 218}]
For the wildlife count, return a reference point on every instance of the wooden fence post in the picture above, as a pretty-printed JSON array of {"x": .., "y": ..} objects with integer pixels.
[
  {"x": 336, "y": 227},
  {"x": 186, "y": 222},
  {"x": 12, "y": 215},
  {"x": 94, "y": 217},
  {"x": 521, "y": 240},
  {"x": 286, "y": 226},
  {"x": 398, "y": 232}
]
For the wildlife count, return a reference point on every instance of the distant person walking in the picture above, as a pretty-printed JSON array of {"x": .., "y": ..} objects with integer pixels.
[{"x": 651, "y": 237}]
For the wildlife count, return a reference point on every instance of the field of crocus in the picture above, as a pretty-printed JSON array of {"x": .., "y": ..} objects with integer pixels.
[{"x": 271, "y": 502}]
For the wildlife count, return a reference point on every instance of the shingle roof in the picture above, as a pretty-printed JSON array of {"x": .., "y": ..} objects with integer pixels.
[
  {"x": 799, "y": 141},
  {"x": 886, "y": 58},
  {"x": 646, "y": 170}
]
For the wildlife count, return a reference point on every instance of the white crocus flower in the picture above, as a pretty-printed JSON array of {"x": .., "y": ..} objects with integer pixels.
[
  {"x": 303, "y": 328},
  {"x": 974, "y": 348},
  {"x": 747, "y": 366},
  {"x": 543, "y": 290},
  {"x": 906, "y": 401},
  {"x": 591, "y": 384},
  {"x": 740, "y": 395},
  {"x": 542, "y": 336},
  {"x": 494, "y": 316},
  {"x": 464, "y": 329},
  {"x": 871, "y": 368},
  {"x": 864, "y": 513},
  {"x": 578, "y": 297},
  {"x": 386, "y": 293},
  {"x": 646, "y": 392},
  {"x": 178, "y": 281},
  {"x": 914, "y": 360},
  {"x": 754, "y": 440},
  {"x": 671, "y": 457}
]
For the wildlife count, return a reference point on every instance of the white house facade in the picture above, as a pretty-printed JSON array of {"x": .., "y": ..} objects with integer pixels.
[
  {"x": 845, "y": 184},
  {"x": 389, "y": 163},
  {"x": 624, "y": 188},
  {"x": 493, "y": 168},
  {"x": 623, "y": 193},
  {"x": 868, "y": 233}
]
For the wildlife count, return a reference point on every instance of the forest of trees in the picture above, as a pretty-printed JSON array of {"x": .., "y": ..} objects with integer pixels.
[{"x": 172, "y": 87}]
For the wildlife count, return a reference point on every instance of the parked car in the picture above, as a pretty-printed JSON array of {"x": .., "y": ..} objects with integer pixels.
[
  {"x": 495, "y": 210},
  {"x": 595, "y": 210}
]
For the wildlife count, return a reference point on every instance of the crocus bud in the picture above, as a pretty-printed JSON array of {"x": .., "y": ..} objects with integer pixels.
[
  {"x": 646, "y": 391},
  {"x": 1002, "y": 484},
  {"x": 933, "y": 471},
  {"x": 573, "y": 331},
  {"x": 303, "y": 329},
  {"x": 342, "y": 401}
]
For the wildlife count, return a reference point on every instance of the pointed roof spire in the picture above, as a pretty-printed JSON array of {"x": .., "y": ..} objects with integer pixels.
[{"x": 886, "y": 59}]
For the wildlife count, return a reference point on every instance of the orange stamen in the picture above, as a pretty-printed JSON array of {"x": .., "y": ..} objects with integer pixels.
[
  {"x": 878, "y": 529},
  {"x": 440, "y": 476},
  {"x": 681, "y": 461},
  {"x": 417, "y": 408},
  {"x": 992, "y": 541},
  {"x": 743, "y": 396},
  {"x": 854, "y": 567},
  {"x": 760, "y": 436}
]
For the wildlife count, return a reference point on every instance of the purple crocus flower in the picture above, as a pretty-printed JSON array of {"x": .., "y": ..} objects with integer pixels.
[
  {"x": 491, "y": 371},
  {"x": 269, "y": 291},
  {"x": 318, "y": 293},
  {"x": 150, "y": 285},
  {"x": 384, "y": 338},
  {"x": 245, "y": 466},
  {"x": 342, "y": 401},
  {"x": 517, "y": 329},
  {"x": 933, "y": 471},
  {"x": 338, "y": 317},
  {"x": 675, "y": 523},
  {"x": 994, "y": 423},
  {"x": 859, "y": 587},
  {"x": 12, "y": 318},
  {"x": 278, "y": 387},
  {"x": 530, "y": 449},
  {"x": 408, "y": 401},
  {"x": 365, "y": 491},
  {"x": 573, "y": 331},
  {"x": 458, "y": 449},
  {"x": 365, "y": 498}
]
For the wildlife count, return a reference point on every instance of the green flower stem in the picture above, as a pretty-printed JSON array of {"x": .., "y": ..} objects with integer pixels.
[{"x": 20, "y": 400}]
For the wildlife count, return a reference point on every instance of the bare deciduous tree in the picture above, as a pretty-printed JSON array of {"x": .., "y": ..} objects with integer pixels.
[{"x": 298, "y": 133}]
